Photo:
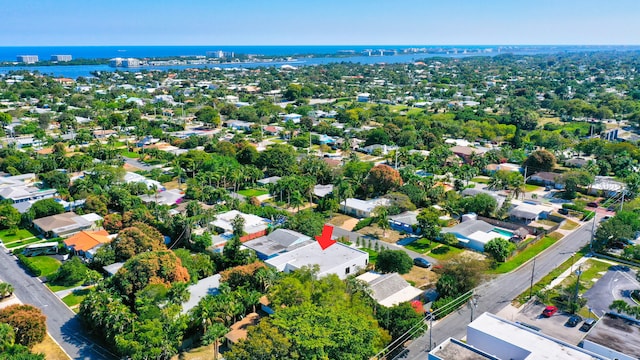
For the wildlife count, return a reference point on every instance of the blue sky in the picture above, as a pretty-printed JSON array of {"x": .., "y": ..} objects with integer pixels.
[{"x": 325, "y": 22}]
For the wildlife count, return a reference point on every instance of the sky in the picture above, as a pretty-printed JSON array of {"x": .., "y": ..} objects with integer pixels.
[{"x": 325, "y": 22}]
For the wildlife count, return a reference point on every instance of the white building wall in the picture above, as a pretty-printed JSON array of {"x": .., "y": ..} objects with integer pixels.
[{"x": 353, "y": 265}]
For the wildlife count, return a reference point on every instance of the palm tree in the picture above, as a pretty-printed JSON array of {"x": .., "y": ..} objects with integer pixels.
[
  {"x": 382, "y": 219},
  {"x": 6, "y": 290},
  {"x": 215, "y": 332},
  {"x": 297, "y": 200},
  {"x": 344, "y": 190}
]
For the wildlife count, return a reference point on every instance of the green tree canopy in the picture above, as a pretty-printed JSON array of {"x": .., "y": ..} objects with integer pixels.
[{"x": 394, "y": 261}]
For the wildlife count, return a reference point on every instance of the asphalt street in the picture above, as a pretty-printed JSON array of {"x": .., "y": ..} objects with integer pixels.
[
  {"x": 62, "y": 323},
  {"x": 494, "y": 295},
  {"x": 616, "y": 284}
]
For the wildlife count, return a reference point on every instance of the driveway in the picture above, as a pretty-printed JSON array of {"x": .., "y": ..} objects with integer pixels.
[
  {"x": 616, "y": 284},
  {"x": 62, "y": 323}
]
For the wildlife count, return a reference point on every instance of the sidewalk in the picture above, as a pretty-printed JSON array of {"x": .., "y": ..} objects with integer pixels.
[{"x": 62, "y": 293}]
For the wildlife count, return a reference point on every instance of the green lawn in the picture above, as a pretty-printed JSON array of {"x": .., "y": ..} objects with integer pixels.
[
  {"x": 46, "y": 264},
  {"x": 55, "y": 288},
  {"x": 421, "y": 245},
  {"x": 373, "y": 255},
  {"x": 129, "y": 154},
  {"x": 569, "y": 225},
  {"x": 252, "y": 192},
  {"x": 15, "y": 244},
  {"x": 522, "y": 298},
  {"x": 6, "y": 237},
  {"x": 530, "y": 187},
  {"x": 445, "y": 252},
  {"x": 75, "y": 297},
  {"x": 524, "y": 255},
  {"x": 481, "y": 180}
]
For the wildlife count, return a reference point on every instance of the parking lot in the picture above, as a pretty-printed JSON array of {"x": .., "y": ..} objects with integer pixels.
[
  {"x": 531, "y": 314},
  {"x": 616, "y": 284}
]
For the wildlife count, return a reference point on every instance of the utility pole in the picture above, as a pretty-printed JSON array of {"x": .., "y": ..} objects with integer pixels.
[
  {"x": 575, "y": 297},
  {"x": 473, "y": 304},
  {"x": 533, "y": 269},
  {"x": 593, "y": 232},
  {"x": 622, "y": 202}
]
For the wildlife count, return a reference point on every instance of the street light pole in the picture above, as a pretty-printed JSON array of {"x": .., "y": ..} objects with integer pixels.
[{"x": 473, "y": 303}]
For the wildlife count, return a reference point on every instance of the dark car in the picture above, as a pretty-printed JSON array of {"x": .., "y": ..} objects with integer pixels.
[
  {"x": 563, "y": 211},
  {"x": 587, "y": 324},
  {"x": 421, "y": 263},
  {"x": 592, "y": 204},
  {"x": 574, "y": 320},
  {"x": 549, "y": 311},
  {"x": 611, "y": 208}
]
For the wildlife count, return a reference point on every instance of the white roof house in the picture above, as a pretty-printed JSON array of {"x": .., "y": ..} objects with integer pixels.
[
  {"x": 362, "y": 208},
  {"x": 168, "y": 197},
  {"x": 389, "y": 289},
  {"x": 24, "y": 193},
  {"x": 608, "y": 185},
  {"x": 529, "y": 212},
  {"x": 338, "y": 259},
  {"x": 252, "y": 223},
  {"x": 278, "y": 241},
  {"x": 131, "y": 177}
]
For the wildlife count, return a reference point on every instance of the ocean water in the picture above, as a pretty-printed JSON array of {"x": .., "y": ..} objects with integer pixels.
[{"x": 103, "y": 52}]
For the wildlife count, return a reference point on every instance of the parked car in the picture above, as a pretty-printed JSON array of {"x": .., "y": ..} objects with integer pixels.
[
  {"x": 549, "y": 311},
  {"x": 574, "y": 320},
  {"x": 611, "y": 208},
  {"x": 563, "y": 211},
  {"x": 587, "y": 324},
  {"x": 420, "y": 262},
  {"x": 592, "y": 204}
]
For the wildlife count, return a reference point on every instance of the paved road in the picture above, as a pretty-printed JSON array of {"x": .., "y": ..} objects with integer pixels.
[
  {"x": 135, "y": 163},
  {"x": 339, "y": 232},
  {"x": 616, "y": 284},
  {"x": 496, "y": 294},
  {"x": 62, "y": 323}
]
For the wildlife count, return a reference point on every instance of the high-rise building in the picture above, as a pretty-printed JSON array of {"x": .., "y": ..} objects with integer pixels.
[
  {"x": 27, "y": 59},
  {"x": 60, "y": 57}
]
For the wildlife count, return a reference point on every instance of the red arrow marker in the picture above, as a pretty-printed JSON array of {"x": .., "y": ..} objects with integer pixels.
[{"x": 325, "y": 238}]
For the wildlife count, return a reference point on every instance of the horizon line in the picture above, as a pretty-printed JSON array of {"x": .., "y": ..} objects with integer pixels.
[{"x": 309, "y": 45}]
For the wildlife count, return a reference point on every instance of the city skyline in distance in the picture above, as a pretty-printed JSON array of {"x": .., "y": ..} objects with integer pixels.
[{"x": 331, "y": 22}]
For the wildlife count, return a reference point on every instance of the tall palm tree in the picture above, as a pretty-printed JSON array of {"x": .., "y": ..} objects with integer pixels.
[{"x": 382, "y": 219}]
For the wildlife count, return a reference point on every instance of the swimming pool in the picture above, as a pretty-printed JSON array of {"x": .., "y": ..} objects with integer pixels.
[{"x": 503, "y": 232}]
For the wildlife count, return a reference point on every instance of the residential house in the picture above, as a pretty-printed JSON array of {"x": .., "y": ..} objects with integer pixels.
[
  {"x": 86, "y": 243},
  {"x": 338, "y": 259},
  {"x": 607, "y": 186},
  {"x": 322, "y": 190},
  {"x": 475, "y": 234},
  {"x": 239, "y": 125},
  {"x": 65, "y": 224},
  {"x": 277, "y": 242},
  {"x": 546, "y": 178},
  {"x": 362, "y": 208},
  {"x": 294, "y": 118},
  {"x": 389, "y": 289},
  {"x": 378, "y": 148},
  {"x": 528, "y": 212},
  {"x": 500, "y": 199},
  {"x": 25, "y": 193},
  {"x": 405, "y": 222},
  {"x": 466, "y": 152},
  {"x": 113, "y": 268},
  {"x": 197, "y": 291},
  {"x": 268, "y": 180},
  {"x": 103, "y": 134},
  {"x": 131, "y": 177},
  {"x": 492, "y": 168},
  {"x": 363, "y": 97},
  {"x": 239, "y": 330},
  {"x": 168, "y": 197},
  {"x": 254, "y": 226}
]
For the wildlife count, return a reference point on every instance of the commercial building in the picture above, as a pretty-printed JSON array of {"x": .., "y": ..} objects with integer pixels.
[
  {"x": 27, "y": 59},
  {"x": 494, "y": 338}
]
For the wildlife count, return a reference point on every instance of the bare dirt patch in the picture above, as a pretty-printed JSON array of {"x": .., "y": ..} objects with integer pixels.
[
  {"x": 421, "y": 277},
  {"x": 344, "y": 221},
  {"x": 390, "y": 236},
  {"x": 50, "y": 349}
]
